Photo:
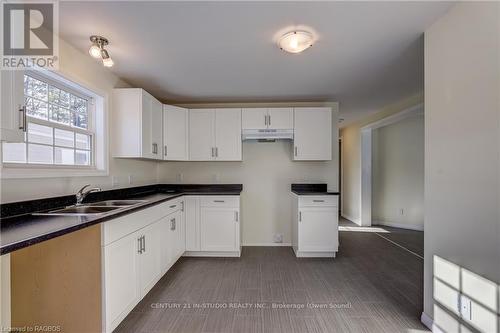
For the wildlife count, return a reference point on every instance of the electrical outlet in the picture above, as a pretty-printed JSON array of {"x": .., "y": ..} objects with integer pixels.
[
  {"x": 402, "y": 211},
  {"x": 180, "y": 177},
  {"x": 115, "y": 181},
  {"x": 278, "y": 238},
  {"x": 465, "y": 307}
]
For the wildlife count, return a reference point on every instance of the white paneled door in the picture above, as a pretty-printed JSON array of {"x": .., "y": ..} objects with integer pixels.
[
  {"x": 175, "y": 133},
  {"x": 228, "y": 135},
  {"x": 313, "y": 134},
  {"x": 201, "y": 134}
]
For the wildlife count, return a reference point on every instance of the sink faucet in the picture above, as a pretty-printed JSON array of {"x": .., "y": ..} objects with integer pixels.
[{"x": 81, "y": 194}]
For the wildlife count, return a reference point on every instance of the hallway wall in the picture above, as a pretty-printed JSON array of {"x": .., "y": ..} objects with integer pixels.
[{"x": 398, "y": 174}]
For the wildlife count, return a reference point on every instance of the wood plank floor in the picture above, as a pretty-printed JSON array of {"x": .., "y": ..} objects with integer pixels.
[{"x": 372, "y": 286}]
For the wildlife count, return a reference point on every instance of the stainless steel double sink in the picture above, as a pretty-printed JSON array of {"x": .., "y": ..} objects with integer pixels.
[{"x": 94, "y": 208}]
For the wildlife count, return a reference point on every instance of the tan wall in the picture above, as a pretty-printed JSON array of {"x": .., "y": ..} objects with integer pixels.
[
  {"x": 86, "y": 71},
  {"x": 398, "y": 174},
  {"x": 351, "y": 156},
  {"x": 462, "y": 152}
]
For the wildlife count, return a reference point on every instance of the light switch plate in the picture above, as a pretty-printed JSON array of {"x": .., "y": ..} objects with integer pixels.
[{"x": 465, "y": 307}]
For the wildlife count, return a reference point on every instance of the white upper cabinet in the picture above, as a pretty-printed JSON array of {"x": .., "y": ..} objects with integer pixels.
[
  {"x": 137, "y": 124},
  {"x": 280, "y": 118},
  {"x": 228, "y": 135},
  {"x": 201, "y": 134},
  {"x": 255, "y": 118},
  {"x": 175, "y": 133},
  {"x": 267, "y": 118},
  {"x": 313, "y": 134},
  {"x": 215, "y": 135},
  {"x": 13, "y": 110}
]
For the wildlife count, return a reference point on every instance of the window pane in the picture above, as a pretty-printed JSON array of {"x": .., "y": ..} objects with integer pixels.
[
  {"x": 78, "y": 104},
  {"x": 82, "y": 157},
  {"x": 82, "y": 141},
  {"x": 39, "y": 154},
  {"x": 14, "y": 152},
  {"x": 54, "y": 95},
  {"x": 60, "y": 115},
  {"x": 39, "y": 134},
  {"x": 37, "y": 109},
  {"x": 64, "y": 99},
  {"x": 40, "y": 89},
  {"x": 64, "y": 138},
  {"x": 64, "y": 156},
  {"x": 80, "y": 120}
]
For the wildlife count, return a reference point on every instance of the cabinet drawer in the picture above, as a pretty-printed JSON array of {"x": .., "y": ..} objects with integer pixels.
[
  {"x": 220, "y": 201},
  {"x": 172, "y": 206},
  {"x": 318, "y": 201}
]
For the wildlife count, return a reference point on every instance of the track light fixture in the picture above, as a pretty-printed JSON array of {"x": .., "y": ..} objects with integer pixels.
[{"x": 98, "y": 51}]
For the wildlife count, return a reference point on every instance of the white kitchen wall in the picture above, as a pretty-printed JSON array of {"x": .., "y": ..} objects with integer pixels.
[
  {"x": 266, "y": 173},
  {"x": 462, "y": 162},
  {"x": 398, "y": 174},
  {"x": 90, "y": 73},
  {"x": 351, "y": 156}
]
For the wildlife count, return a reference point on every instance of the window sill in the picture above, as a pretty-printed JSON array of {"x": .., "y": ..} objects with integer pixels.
[{"x": 7, "y": 172}]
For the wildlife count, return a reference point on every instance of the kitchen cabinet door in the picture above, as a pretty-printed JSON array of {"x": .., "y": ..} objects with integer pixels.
[
  {"x": 13, "y": 109},
  {"x": 175, "y": 133},
  {"x": 280, "y": 118},
  {"x": 254, "y": 118},
  {"x": 228, "y": 135},
  {"x": 121, "y": 279},
  {"x": 192, "y": 223},
  {"x": 219, "y": 229},
  {"x": 157, "y": 128},
  {"x": 166, "y": 248},
  {"x": 318, "y": 229},
  {"x": 201, "y": 134},
  {"x": 313, "y": 134},
  {"x": 180, "y": 235},
  {"x": 150, "y": 258}
]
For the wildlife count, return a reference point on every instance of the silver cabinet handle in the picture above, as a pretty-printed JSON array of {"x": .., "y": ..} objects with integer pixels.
[
  {"x": 265, "y": 119},
  {"x": 216, "y": 151},
  {"x": 173, "y": 206},
  {"x": 295, "y": 150},
  {"x": 318, "y": 200},
  {"x": 155, "y": 148},
  {"x": 143, "y": 243},
  {"x": 269, "y": 120},
  {"x": 182, "y": 206},
  {"x": 165, "y": 150},
  {"x": 22, "y": 120},
  {"x": 219, "y": 201},
  {"x": 172, "y": 224},
  {"x": 213, "y": 152},
  {"x": 139, "y": 245},
  {"x": 236, "y": 217},
  {"x": 300, "y": 216}
]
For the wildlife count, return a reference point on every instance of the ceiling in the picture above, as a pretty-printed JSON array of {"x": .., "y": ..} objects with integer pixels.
[{"x": 368, "y": 54}]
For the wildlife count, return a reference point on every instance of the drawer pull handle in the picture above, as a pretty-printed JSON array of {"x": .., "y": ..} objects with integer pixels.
[
  {"x": 219, "y": 201},
  {"x": 173, "y": 206},
  {"x": 318, "y": 200}
]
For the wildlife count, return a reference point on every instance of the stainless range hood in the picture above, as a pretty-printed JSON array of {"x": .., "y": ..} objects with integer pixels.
[{"x": 267, "y": 134}]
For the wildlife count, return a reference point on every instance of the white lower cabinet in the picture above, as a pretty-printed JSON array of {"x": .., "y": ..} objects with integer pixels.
[
  {"x": 315, "y": 226},
  {"x": 213, "y": 226},
  {"x": 121, "y": 278},
  {"x": 138, "y": 249},
  {"x": 219, "y": 229}
]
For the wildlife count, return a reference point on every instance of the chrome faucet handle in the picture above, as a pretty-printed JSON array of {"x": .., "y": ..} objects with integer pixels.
[{"x": 81, "y": 194}]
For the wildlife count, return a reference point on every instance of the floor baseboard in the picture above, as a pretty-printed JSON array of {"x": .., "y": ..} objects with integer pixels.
[
  {"x": 350, "y": 218},
  {"x": 429, "y": 323},
  {"x": 416, "y": 227}
]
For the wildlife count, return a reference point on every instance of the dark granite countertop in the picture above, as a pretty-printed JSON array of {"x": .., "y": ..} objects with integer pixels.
[
  {"x": 311, "y": 189},
  {"x": 24, "y": 229}
]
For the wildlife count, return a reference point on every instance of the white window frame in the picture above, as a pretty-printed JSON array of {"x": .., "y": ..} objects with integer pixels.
[{"x": 97, "y": 125}]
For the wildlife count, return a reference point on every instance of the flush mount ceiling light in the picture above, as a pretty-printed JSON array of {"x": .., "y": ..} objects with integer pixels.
[
  {"x": 296, "y": 41},
  {"x": 98, "y": 51}
]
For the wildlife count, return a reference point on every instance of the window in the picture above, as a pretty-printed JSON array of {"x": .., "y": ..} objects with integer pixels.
[{"x": 60, "y": 128}]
